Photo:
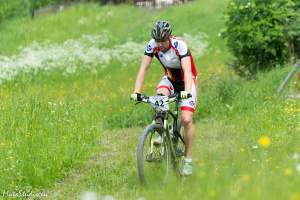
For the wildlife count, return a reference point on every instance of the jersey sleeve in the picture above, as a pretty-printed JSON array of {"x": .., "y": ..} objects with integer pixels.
[
  {"x": 150, "y": 48},
  {"x": 182, "y": 48}
]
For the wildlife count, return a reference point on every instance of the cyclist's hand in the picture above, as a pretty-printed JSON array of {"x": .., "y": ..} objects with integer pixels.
[
  {"x": 135, "y": 97},
  {"x": 185, "y": 95}
]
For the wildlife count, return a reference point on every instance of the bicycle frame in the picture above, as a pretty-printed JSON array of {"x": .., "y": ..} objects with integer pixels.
[
  {"x": 163, "y": 116},
  {"x": 169, "y": 147}
]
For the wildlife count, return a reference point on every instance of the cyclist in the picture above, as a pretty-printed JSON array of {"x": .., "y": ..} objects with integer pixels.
[{"x": 179, "y": 76}]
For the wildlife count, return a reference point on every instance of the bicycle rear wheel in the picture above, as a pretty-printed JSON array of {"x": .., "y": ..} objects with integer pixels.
[{"x": 153, "y": 159}]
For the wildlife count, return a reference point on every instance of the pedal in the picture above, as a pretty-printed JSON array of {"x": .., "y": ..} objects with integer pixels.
[
  {"x": 159, "y": 121},
  {"x": 157, "y": 141},
  {"x": 179, "y": 152},
  {"x": 149, "y": 157}
]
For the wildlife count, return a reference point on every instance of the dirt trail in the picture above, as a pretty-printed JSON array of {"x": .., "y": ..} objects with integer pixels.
[{"x": 113, "y": 145}]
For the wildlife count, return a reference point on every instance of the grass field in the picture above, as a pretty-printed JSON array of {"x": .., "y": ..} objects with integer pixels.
[{"x": 67, "y": 124}]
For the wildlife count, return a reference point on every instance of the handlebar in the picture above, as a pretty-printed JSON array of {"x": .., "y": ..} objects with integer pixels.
[{"x": 171, "y": 99}]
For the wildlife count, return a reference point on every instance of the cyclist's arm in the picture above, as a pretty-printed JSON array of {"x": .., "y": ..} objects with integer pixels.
[
  {"x": 141, "y": 74},
  {"x": 187, "y": 70},
  {"x": 185, "y": 59}
]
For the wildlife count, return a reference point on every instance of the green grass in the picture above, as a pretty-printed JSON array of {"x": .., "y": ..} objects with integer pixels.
[
  {"x": 67, "y": 134},
  {"x": 226, "y": 166},
  {"x": 42, "y": 125},
  {"x": 93, "y": 19}
]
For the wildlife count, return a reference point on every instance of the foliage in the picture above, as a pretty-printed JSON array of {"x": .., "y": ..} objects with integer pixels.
[
  {"x": 261, "y": 34},
  {"x": 294, "y": 30},
  {"x": 9, "y": 9},
  {"x": 38, "y": 4}
]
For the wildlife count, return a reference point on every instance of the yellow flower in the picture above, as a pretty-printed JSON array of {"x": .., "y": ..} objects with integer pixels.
[
  {"x": 287, "y": 172},
  {"x": 268, "y": 98},
  {"x": 2, "y": 144},
  {"x": 211, "y": 193},
  {"x": 245, "y": 177},
  {"x": 295, "y": 196},
  {"x": 264, "y": 141}
]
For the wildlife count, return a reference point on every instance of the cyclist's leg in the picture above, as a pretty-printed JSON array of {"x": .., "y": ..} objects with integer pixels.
[
  {"x": 188, "y": 107},
  {"x": 189, "y": 131},
  {"x": 165, "y": 87},
  {"x": 189, "y": 137}
]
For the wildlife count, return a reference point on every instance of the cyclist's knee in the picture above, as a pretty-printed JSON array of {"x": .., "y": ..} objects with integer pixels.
[
  {"x": 186, "y": 118},
  {"x": 163, "y": 91}
]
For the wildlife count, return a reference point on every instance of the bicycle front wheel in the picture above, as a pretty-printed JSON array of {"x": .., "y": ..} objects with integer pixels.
[{"x": 153, "y": 156}]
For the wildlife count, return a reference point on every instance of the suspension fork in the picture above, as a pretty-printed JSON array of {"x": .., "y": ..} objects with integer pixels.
[{"x": 158, "y": 118}]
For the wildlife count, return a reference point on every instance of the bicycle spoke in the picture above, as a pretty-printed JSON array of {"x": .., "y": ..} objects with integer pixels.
[
  {"x": 154, "y": 162},
  {"x": 155, "y": 169}
]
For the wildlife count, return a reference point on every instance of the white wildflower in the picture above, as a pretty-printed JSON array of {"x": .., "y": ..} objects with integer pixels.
[
  {"x": 88, "y": 195},
  {"x": 107, "y": 197},
  {"x": 198, "y": 43},
  {"x": 89, "y": 52},
  {"x": 71, "y": 69},
  {"x": 99, "y": 18},
  {"x": 82, "y": 20},
  {"x": 109, "y": 14},
  {"x": 296, "y": 156},
  {"x": 298, "y": 167}
]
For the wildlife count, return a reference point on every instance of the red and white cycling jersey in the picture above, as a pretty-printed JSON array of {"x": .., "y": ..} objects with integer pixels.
[
  {"x": 171, "y": 59},
  {"x": 173, "y": 79}
]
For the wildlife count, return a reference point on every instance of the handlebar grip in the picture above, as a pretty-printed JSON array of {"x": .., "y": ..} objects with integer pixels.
[
  {"x": 143, "y": 98},
  {"x": 178, "y": 95}
]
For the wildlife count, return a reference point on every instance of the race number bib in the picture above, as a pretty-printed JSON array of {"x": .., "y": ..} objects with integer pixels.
[{"x": 159, "y": 103}]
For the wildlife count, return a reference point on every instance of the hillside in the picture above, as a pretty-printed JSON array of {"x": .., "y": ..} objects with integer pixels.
[{"x": 66, "y": 121}]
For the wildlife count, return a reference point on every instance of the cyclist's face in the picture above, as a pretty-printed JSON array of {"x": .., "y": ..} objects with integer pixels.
[{"x": 163, "y": 46}]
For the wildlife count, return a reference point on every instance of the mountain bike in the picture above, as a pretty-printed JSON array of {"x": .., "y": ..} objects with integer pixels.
[{"x": 154, "y": 159}]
